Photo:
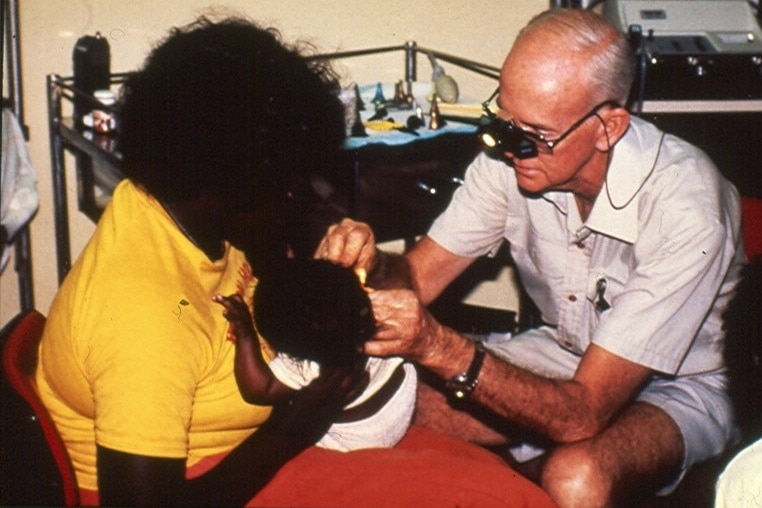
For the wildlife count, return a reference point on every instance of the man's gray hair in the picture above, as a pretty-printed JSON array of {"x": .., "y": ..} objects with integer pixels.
[{"x": 611, "y": 68}]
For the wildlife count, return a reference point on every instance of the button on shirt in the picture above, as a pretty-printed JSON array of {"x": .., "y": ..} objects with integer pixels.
[{"x": 649, "y": 273}]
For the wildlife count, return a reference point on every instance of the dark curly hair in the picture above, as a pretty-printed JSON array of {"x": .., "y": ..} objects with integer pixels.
[
  {"x": 314, "y": 309},
  {"x": 227, "y": 107}
]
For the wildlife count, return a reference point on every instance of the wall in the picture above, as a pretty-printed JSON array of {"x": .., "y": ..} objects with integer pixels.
[{"x": 481, "y": 30}]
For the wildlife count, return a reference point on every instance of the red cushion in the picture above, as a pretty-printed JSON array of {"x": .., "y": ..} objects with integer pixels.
[{"x": 427, "y": 469}]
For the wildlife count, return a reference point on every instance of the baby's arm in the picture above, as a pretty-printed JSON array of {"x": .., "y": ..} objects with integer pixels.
[{"x": 254, "y": 378}]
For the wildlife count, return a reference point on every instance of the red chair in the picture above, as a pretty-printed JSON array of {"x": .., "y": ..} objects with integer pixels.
[
  {"x": 36, "y": 468},
  {"x": 751, "y": 224}
]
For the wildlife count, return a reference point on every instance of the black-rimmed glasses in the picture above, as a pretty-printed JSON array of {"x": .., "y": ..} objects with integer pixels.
[{"x": 506, "y": 136}]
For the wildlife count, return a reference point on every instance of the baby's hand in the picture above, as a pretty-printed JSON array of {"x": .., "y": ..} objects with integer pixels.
[{"x": 237, "y": 313}]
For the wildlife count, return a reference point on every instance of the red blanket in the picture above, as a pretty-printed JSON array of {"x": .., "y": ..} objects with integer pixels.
[{"x": 427, "y": 469}]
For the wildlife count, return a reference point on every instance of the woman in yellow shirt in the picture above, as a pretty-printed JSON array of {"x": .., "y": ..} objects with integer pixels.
[{"x": 135, "y": 366}]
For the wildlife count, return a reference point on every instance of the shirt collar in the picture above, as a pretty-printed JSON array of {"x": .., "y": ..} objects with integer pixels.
[{"x": 615, "y": 212}]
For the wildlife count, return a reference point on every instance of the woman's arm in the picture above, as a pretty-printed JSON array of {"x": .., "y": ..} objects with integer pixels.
[{"x": 126, "y": 479}]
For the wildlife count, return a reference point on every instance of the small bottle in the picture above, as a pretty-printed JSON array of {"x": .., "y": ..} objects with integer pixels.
[
  {"x": 103, "y": 121},
  {"x": 379, "y": 99},
  {"x": 436, "y": 121},
  {"x": 91, "y": 59}
]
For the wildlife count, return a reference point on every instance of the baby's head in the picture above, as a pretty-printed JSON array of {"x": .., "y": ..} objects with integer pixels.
[{"x": 314, "y": 309}]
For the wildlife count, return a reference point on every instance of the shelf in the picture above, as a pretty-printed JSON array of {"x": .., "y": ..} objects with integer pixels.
[
  {"x": 397, "y": 188},
  {"x": 98, "y": 165}
]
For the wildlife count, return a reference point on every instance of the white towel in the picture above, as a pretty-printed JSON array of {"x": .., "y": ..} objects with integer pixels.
[
  {"x": 18, "y": 183},
  {"x": 382, "y": 430}
]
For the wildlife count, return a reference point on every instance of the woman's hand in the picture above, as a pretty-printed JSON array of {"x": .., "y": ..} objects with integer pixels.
[
  {"x": 306, "y": 416},
  {"x": 350, "y": 244}
]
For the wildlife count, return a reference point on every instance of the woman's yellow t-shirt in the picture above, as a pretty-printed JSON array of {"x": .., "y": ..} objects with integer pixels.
[{"x": 134, "y": 354}]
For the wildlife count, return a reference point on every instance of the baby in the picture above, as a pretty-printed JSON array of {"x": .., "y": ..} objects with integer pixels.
[{"x": 314, "y": 313}]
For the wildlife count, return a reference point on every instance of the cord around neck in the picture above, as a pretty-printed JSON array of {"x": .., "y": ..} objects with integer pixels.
[{"x": 609, "y": 154}]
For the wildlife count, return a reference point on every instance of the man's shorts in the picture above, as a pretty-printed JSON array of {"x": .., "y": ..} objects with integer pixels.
[{"x": 699, "y": 405}]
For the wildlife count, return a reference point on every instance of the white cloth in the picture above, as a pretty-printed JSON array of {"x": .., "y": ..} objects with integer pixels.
[
  {"x": 18, "y": 183},
  {"x": 740, "y": 484},
  {"x": 381, "y": 430},
  {"x": 663, "y": 236}
]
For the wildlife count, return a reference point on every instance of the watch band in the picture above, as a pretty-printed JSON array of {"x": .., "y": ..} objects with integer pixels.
[{"x": 462, "y": 385}]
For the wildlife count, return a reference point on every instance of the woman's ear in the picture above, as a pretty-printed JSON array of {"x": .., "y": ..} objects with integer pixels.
[{"x": 615, "y": 122}]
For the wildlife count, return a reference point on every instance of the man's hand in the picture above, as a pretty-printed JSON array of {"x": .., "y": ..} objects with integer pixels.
[
  {"x": 349, "y": 243},
  {"x": 405, "y": 327}
]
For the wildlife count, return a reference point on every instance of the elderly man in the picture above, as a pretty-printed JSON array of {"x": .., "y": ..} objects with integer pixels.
[{"x": 627, "y": 240}]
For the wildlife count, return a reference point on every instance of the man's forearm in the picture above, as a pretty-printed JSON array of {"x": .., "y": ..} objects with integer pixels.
[
  {"x": 391, "y": 271},
  {"x": 555, "y": 408}
]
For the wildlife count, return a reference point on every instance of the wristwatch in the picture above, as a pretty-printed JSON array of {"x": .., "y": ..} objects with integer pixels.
[{"x": 461, "y": 386}]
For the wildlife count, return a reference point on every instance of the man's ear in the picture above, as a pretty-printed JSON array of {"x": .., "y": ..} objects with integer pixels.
[{"x": 616, "y": 121}]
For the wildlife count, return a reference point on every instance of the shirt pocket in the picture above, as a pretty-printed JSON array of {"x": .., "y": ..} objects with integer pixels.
[{"x": 604, "y": 285}]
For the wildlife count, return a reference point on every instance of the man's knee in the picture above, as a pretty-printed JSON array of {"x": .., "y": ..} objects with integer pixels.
[{"x": 573, "y": 477}]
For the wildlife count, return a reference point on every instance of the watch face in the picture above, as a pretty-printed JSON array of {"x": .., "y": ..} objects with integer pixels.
[
  {"x": 459, "y": 387},
  {"x": 459, "y": 394}
]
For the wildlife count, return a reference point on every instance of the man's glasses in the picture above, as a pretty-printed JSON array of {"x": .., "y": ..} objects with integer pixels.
[{"x": 505, "y": 136}]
